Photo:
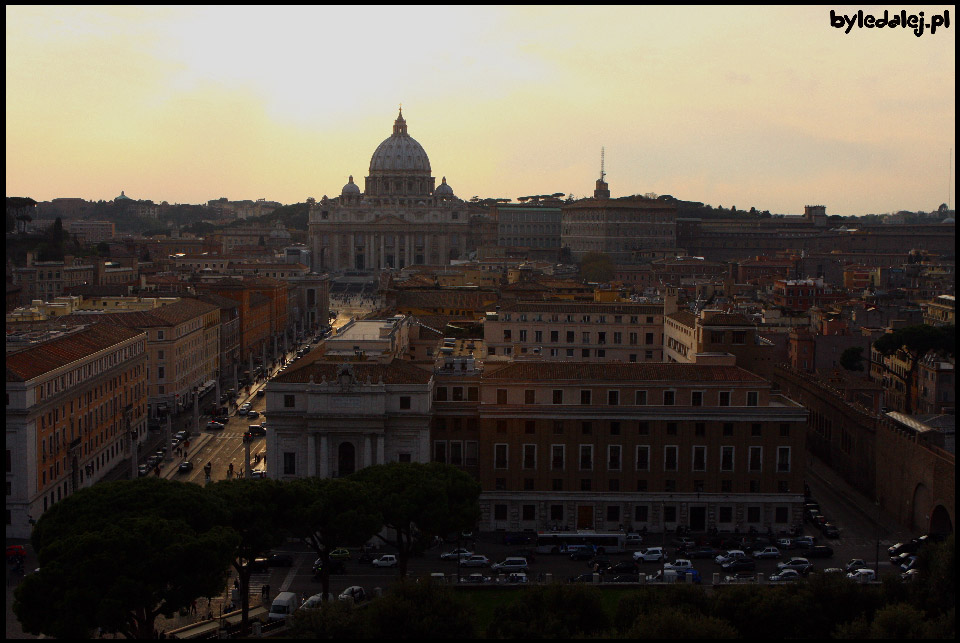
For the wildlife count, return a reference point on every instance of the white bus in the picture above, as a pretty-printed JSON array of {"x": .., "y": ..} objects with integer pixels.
[{"x": 556, "y": 542}]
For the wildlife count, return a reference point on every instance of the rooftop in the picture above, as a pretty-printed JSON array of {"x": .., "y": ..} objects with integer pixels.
[{"x": 50, "y": 355}]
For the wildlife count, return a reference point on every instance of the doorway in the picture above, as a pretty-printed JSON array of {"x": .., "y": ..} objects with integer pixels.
[
  {"x": 698, "y": 518},
  {"x": 346, "y": 461},
  {"x": 585, "y": 517}
]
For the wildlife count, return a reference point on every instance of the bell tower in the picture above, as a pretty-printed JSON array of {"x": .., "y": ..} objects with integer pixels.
[{"x": 602, "y": 191}]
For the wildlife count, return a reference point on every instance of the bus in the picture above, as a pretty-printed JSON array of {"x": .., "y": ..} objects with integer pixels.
[{"x": 556, "y": 542}]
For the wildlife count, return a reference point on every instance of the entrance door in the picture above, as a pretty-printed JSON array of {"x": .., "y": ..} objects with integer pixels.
[
  {"x": 585, "y": 517},
  {"x": 346, "y": 462},
  {"x": 698, "y": 518}
]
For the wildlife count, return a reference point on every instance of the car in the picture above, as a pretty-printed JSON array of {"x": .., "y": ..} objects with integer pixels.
[
  {"x": 801, "y": 565},
  {"x": 252, "y": 415},
  {"x": 834, "y": 570},
  {"x": 260, "y": 474},
  {"x": 739, "y": 565},
  {"x": 336, "y": 567},
  {"x": 517, "y": 577},
  {"x": 260, "y": 564},
  {"x": 456, "y": 554},
  {"x": 529, "y": 554},
  {"x": 511, "y": 564},
  {"x": 632, "y": 541},
  {"x": 475, "y": 579},
  {"x": 767, "y": 552},
  {"x": 730, "y": 554},
  {"x": 684, "y": 542},
  {"x": 741, "y": 577},
  {"x": 316, "y": 601},
  {"x": 257, "y": 430},
  {"x": 679, "y": 564},
  {"x": 819, "y": 551},
  {"x": 862, "y": 575},
  {"x": 221, "y": 419},
  {"x": 820, "y": 520},
  {"x": 785, "y": 543},
  {"x": 16, "y": 551},
  {"x": 581, "y": 553},
  {"x": 830, "y": 530},
  {"x": 248, "y": 437},
  {"x": 899, "y": 548},
  {"x": 910, "y": 575},
  {"x": 581, "y": 578},
  {"x": 599, "y": 563},
  {"x": 856, "y": 563},
  {"x": 518, "y": 539},
  {"x": 353, "y": 594},
  {"x": 625, "y": 567},
  {"x": 152, "y": 461},
  {"x": 261, "y": 392},
  {"x": 181, "y": 434},
  {"x": 340, "y": 553},
  {"x": 142, "y": 470},
  {"x": 476, "y": 560},
  {"x": 910, "y": 563},
  {"x": 214, "y": 426},
  {"x": 649, "y": 555},
  {"x": 704, "y": 551},
  {"x": 626, "y": 578},
  {"x": 804, "y": 541},
  {"x": 185, "y": 467},
  {"x": 315, "y": 340},
  {"x": 280, "y": 560},
  {"x": 785, "y": 576},
  {"x": 386, "y": 560}
]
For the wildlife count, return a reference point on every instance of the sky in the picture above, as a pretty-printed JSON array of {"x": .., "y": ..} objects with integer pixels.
[{"x": 766, "y": 107}]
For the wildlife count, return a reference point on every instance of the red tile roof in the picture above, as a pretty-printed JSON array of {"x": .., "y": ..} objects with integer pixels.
[
  {"x": 395, "y": 372},
  {"x": 727, "y": 319},
  {"x": 48, "y": 356},
  {"x": 621, "y": 372}
]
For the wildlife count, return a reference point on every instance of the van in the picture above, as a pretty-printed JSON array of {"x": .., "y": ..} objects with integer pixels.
[{"x": 285, "y": 604}]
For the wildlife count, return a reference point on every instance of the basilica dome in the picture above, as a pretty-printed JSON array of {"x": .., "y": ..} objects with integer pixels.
[
  {"x": 443, "y": 189},
  {"x": 350, "y": 188},
  {"x": 400, "y": 153}
]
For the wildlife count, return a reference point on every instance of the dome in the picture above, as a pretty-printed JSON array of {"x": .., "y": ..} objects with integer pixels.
[
  {"x": 122, "y": 197},
  {"x": 279, "y": 232},
  {"x": 350, "y": 188},
  {"x": 400, "y": 152},
  {"x": 443, "y": 189},
  {"x": 949, "y": 220}
]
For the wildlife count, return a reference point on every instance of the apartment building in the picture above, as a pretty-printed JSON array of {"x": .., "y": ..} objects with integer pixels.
[
  {"x": 941, "y": 311},
  {"x": 803, "y": 294},
  {"x": 92, "y": 232},
  {"x": 710, "y": 334},
  {"x": 604, "y": 446},
  {"x": 553, "y": 331},
  {"x": 74, "y": 404},
  {"x": 46, "y": 280}
]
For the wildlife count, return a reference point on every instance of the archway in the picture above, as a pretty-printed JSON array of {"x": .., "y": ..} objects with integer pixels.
[
  {"x": 922, "y": 503},
  {"x": 940, "y": 522},
  {"x": 346, "y": 460}
]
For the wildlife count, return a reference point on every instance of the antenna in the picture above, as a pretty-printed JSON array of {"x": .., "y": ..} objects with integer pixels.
[{"x": 602, "y": 173}]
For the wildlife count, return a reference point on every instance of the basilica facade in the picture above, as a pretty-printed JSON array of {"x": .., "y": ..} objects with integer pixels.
[{"x": 400, "y": 218}]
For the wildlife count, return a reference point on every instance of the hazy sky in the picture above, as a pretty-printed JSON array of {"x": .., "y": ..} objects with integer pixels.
[{"x": 770, "y": 108}]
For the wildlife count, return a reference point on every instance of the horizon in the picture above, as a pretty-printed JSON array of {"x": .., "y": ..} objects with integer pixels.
[{"x": 761, "y": 107}]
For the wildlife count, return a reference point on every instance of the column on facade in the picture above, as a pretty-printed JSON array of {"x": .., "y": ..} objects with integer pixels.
[
  {"x": 324, "y": 458},
  {"x": 311, "y": 454},
  {"x": 424, "y": 446},
  {"x": 333, "y": 258},
  {"x": 443, "y": 250},
  {"x": 350, "y": 254},
  {"x": 383, "y": 251},
  {"x": 409, "y": 237},
  {"x": 380, "y": 459},
  {"x": 426, "y": 248},
  {"x": 367, "y": 451}
]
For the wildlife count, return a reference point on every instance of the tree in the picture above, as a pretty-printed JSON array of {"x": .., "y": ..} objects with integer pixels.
[
  {"x": 679, "y": 623},
  {"x": 420, "y": 610},
  {"x": 254, "y": 513},
  {"x": 898, "y": 621},
  {"x": 852, "y": 358},
  {"x": 596, "y": 267},
  {"x": 429, "y": 499},
  {"x": 157, "y": 552},
  {"x": 327, "y": 513},
  {"x": 552, "y": 611},
  {"x": 336, "y": 620}
]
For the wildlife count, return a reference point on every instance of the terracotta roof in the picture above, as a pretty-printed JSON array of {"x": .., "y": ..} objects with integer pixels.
[
  {"x": 685, "y": 317},
  {"x": 622, "y": 372},
  {"x": 396, "y": 372},
  {"x": 467, "y": 300},
  {"x": 727, "y": 319},
  {"x": 606, "y": 308},
  {"x": 224, "y": 303},
  {"x": 48, "y": 356},
  {"x": 168, "y": 315}
]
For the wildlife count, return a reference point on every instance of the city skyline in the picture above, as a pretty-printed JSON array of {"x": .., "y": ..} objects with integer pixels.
[{"x": 771, "y": 108}]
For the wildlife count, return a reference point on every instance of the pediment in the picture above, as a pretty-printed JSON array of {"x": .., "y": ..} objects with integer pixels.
[{"x": 388, "y": 219}]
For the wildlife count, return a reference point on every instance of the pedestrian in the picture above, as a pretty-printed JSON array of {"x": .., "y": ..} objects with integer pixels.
[
  {"x": 236, "y": 583},
  {"x": 193, "y": 607}
]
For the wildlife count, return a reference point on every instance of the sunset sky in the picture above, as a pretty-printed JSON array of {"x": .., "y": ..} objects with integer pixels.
[{"x": 769, "y": 108}]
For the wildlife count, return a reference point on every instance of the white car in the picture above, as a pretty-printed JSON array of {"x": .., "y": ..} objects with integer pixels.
[
  {"x": 680, "y": 564},
  {"x": 731, "y": 554},
  {"x": 353, "y": 594},
  {"x": 785, "y": 576},
  {"x": 456, "y": 554},
  {"x": 862, "y": 576},
  {"x": 475, "y": 560},
  {"x": 649, "y": 555},
  {"x": 387, "y": 560},
  {"x": 767, "y": 552}
]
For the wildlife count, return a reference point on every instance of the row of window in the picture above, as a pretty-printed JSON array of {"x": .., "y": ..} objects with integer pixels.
[
  {"x": 642, "y": 461},
  {"x": 614, "y": 427},
  {"x": 570, "y": 318},
  {"x": 649, "y": 339},
  {"x": 641, "y": 513},
  {"x": 640, "y": 397},
  {"x": 569, "y": 352},
  {"x": 668, "y": 485}
]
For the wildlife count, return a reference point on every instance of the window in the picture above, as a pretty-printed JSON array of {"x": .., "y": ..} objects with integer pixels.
[
  {"x": 404, "y": 401},
  {"x": 641, "y": 485},
  {"x": 643, "y": 458},
  {"x": 641, "y": 398},
  {"x": 585, "y": 352},
  {"x": 670, "y": 485},
  {"x": 700, "y": 429},
  {"x": 613, "y": 457},
  {"x": 500, "y": 456},
  {"x": 670, "y": 458},
  {"x": 783, "y": 459},
  {"x": 613, "y": 512},
  {"x": 288, "y": 401},
  {"x": 601, "y": 338},
  {"x": 558, "y": 484},
  {"x": 507, "y": 335},
  {"x": 501, "y": 426},
  {"x": 614, "y": 428},
  {"x": 726, "y": 486},
  {"x": 756, "y": 430},
  {"x": 668, "y": 398},
  {"x": 571, "y": 337},
  {"x": 457, "y": 393},
  {"x": 585, "y": 337},
  {"x": 756, "y": 459},
  {"x": 781, "y": 515},
  {"x": 618, "y": 338},
  {"x": 440, "y": 394},
  {"x": 529, "y": 512},
  {"x": 499, "y": 512},
  {"x": 670, "y": 513},
  {"x": 725, "y": 514},
  {"x": 648, "y": 338},
  {"x": 557, "y": 452},
  {"x": 529, "y": 426},
  {"x": 558, "y": 396},
  {"x": 501, "y": 396},
  {"x": 289, "y": 463},
  {"x": 753, "y": 398},
  {"x": 633, "y": 339},
  {"x": 613, "y": 398},
  {"x": 696, "y": 398},
  {"x": 529, "y": 396},
  {"x": 529, "y": 456},
  {"x": 643, "y": 428},
  {"x": 739, "y": 337},
  {"x": 440, "y": 451},
  {"x": 554, "y": 336},
  {"x": 470, "y": 453},
  {"x": 726, "y": 458},
  {"x": 586, "y": 484},
  {"x": 783, "y": 486},
  {"x": 640, "y": 513},
  {"x": 784, "y": 430},
  {"x": 585, "y": 397},
  {"x": 586, "y": 428},
  {"x": 456, "y": 453},
  {"x": 753, "y": 514},
  {"x": 727, "y": 429},
  {"x": 160, "y": 372},
  {"x": 699, "y": 458},
  {"x": 724, "y": 398},
  {"x": 558, "y": 427},
  {"x": 523, "y": 335},
  {"x": 586, "y": 457},
  {"x": 671, "y": 428},
  {"x": 556, "y": 512},
  {"x": 716, "y": 336}
]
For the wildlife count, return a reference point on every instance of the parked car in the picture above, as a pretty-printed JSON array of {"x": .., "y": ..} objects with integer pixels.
[
  {"x": 581, "y": 553},
  {"x": 185, "y": 467},
  {"x": 529, "y": 554},
  {"x": 830, "y": 530},
  {"x": 214, "y": 426},
  {"x": 625, "y": 567},
  {"x": 785, "y": 576},
  {"x": 16, "y": 551},
  {"x": 626, "y": 578},
  {"x": 582, "y": 578},
  {"x": 801, "y": 565},
  {"x": 475, "y": 579},
  {"x": 896, "y": 561},
  {"x": 742, "y": 577},
  {"x": 340, "y": 553},
  {"x": 818, "y": 551},
  {"x": 511, "y": 564},
  {"x": 456, "y": 554},
  {"x": 805, "y": 541},
  {"x": 649, "y": 555},
  {"x": 684, "y": 542},
  {"x": 261, "y": 392},
  {"x": 911, "y": 563},
  {"x": 181, "y": 434},
  {"x": 259, "y": 565},
  {"x": 702, "y": 552},
  {"x": 280, "y": 560},
  {"x": 862, "y": 575},
  {"x": 252, "y": 415},
  {"x": 517, "y": 577},
  {"x": 387, "y": 560},
  {"x": 767, "y": 552},
  {"x": 739, "y": 565},
  {"x": 679, "y": 564},
  {"x": 856, "y": 563},
  {"x": 729, "y": 555},
  {"x": 142, "y": 470},
  {"x": 336, "y": 567},
  {"x": 353, "y": 594},
  {"x": 476, "y": 560},
  {"x": 632, "y": 541},
  {"x": 910, "y": 575},
  {"x": 222, "y": 419},
  {"x": 785, "y": 543}
]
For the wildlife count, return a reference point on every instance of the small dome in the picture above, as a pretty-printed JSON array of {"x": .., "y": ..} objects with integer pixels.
[
  {"x": 123, "y": 197},
  {"x": 350, "y": 188},
  {"x": 443, "y": 189},
  {"x": 949, "y": 220}
]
